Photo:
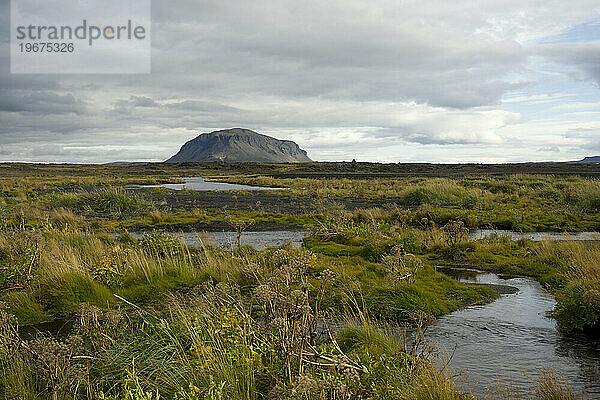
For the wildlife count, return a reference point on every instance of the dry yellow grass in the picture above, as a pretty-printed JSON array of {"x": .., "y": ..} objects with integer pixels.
[{"x": 582, "y": 258}]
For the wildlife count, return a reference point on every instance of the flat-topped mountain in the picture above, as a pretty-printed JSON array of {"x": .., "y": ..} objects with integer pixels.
[
  {"x": 593, "y": 159},
  {"x": 239, "y": 145}
]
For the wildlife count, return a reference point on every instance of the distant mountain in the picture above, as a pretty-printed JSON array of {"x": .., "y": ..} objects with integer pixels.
[
  {"x": 593, "y": 159},
  {"x": 127, "y": 162},
  {"x": 239, "y": 145}
]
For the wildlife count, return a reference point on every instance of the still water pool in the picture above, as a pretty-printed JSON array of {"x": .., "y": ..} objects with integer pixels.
[{"x": 200, "y": 184}]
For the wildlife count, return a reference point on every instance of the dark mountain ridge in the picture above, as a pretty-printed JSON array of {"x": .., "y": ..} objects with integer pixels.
[{"x": 589, "y": 159}]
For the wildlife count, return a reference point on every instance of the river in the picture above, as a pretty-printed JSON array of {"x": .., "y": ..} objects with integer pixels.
[{"x": 511, "y": 338}]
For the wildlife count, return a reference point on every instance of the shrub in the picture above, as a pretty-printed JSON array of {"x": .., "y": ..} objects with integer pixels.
[
  {"x": 590, "y": 203},
  {"x": 578, "y": 306}
]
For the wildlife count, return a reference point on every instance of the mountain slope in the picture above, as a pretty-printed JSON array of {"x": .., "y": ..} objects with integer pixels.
[
  {"x": 593, "y": 159},
  {"x": 239, "y": 145}
]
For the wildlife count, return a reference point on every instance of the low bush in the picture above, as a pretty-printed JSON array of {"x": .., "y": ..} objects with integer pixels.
[{"x": 578, "y": 306}]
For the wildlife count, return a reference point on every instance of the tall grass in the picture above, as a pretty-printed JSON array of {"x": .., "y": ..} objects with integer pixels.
[
  {"x": 225, "y": 345},
  {"x": 214, "y": 324},
  {"x": 16, "y": 377},
  {"x": 552, "y": 386},
  {"x": 435, "y": 381},
  {"x": 52, "y": 272},
  {"x": 108, "y": 201},
  {"x": 581, "y": 259},
  {"x": 585, "y": 195},
  {"x": 578, "y": 301}
]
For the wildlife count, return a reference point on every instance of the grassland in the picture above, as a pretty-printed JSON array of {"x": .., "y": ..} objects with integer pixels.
[{"x": 154, "y": 318}]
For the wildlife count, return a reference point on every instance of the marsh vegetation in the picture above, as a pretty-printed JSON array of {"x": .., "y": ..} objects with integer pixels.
[{"x": 155, "y": 318}]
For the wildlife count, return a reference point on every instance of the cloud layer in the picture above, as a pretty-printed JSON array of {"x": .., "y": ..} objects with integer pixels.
[{"x": 406, "y": 77}]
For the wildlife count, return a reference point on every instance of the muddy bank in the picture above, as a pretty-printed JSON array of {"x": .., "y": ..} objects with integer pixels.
[{"x": 500, "y": 289}]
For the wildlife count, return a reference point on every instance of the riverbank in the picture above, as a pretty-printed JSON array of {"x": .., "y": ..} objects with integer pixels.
[{"x": 150, "y": 291}]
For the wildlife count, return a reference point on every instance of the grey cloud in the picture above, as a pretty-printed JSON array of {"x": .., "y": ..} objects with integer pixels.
[
  {"x": 125, "y": 106},
  {"x": 361, "y": 57},
  {"x": 584, "y": 139},
  {"x": 585, "y": 57},
  {"x": 16, "y": 82},
  {"x": 142, "y": 101},
  {"x": 375, "y": 72},
  {"x": 41, "y": 102},
  {"x": 196, "y": 105},
  {"x": 549, "y": 149},
  {"x": 582, "y": 133}
]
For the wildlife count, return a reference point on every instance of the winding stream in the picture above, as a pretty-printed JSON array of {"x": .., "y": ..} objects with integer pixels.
[{"x": 511, "y": 338}]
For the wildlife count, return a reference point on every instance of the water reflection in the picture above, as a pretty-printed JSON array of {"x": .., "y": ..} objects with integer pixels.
[
  {"x": 200, "y": 184},
  {"x": 58, "y": 328},
  {"x": 459, "y": 274},
  {"x": 257, "y": 240}
]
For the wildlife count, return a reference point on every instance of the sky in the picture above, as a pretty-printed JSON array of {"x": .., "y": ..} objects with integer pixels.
[{"x": 378, "y": 80}]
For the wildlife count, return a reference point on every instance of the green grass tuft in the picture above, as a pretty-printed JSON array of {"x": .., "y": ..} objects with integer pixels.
[{"x": 113, "y": 202}]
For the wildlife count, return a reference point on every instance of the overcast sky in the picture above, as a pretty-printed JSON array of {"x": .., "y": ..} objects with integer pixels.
[{"x": 375, "y": 80}]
